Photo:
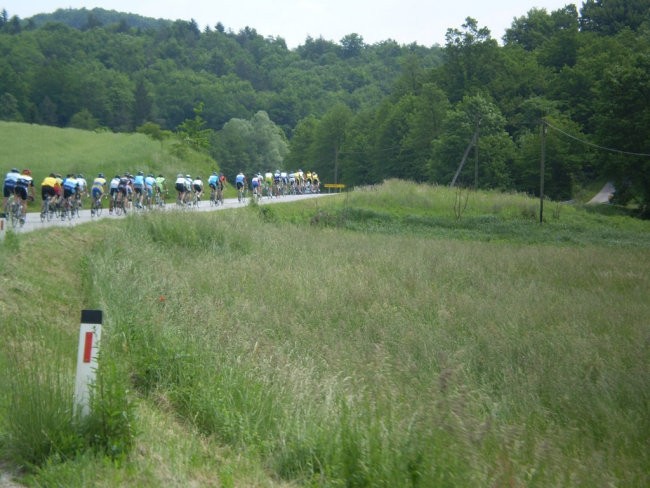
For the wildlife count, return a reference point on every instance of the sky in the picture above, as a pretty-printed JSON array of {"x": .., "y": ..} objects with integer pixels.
[{"x": 424, "y": 22}]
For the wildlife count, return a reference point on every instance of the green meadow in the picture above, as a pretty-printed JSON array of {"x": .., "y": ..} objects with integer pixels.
[{"x": 396, "y": 335}]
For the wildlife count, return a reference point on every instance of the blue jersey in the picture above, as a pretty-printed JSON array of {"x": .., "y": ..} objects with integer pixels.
[
  {"x": 239, "y": 178},
  {"x": 138, "y": 181},
  {"x": 212, "y": 181}
]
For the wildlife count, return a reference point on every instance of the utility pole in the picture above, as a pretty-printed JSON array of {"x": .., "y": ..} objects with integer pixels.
[
  {"x": 542, "y": 162},
  {"x": 336, "y": 164},
  {"x": 473, "y": 142},
  {"x": 478, "y": 123}
]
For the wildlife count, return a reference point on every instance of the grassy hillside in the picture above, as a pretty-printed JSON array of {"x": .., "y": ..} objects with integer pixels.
[
  {"x": 46, "y": 149},
  {"x": 368, "y": 339}
]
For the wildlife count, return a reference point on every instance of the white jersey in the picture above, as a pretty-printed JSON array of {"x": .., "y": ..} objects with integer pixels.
[
  {"x": 11, "y": 178},
  {"x": 115, "y": 182}
]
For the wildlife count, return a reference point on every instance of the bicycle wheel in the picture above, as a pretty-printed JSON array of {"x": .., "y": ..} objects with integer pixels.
[
  {"x": 14, "y": 214},
  {"x": 117, "y": 206},
  {"x": 45, "y": 210}
]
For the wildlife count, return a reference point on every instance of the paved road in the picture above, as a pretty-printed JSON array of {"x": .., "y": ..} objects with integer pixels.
[
  {"x": 33, "y": 221},
  {"x": 605, "y": 195}
]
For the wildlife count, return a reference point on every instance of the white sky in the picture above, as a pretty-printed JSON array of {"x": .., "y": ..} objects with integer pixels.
[{"x": 405, "y": 21}]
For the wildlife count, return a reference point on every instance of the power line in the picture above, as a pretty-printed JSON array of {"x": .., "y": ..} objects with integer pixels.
[{"x": 587, "y": 143}]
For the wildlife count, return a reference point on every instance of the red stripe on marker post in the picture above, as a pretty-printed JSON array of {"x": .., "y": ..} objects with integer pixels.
[{"x": 88, "y": 347}]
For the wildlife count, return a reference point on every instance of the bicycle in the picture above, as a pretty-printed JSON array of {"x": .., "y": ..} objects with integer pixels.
[
  {"x": 159, "y": 199},
  {"x": 195, "y": 199},
  {"x": 15, "y": 212},
  {"x": 241, "y": 195},
  {"x": 122, "y": 200},
  {"x": 96, "y": 207},
  {"x": 65, "y": 212},
  {"x": 214, "y": 199},
  {"x": 47, "y": 210}
]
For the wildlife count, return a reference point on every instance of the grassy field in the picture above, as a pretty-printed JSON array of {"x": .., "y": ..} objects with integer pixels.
[{"x": 381, "y": 337}]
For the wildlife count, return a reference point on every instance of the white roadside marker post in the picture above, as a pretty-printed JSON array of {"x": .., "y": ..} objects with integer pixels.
[{"x": 90, "y": 334}]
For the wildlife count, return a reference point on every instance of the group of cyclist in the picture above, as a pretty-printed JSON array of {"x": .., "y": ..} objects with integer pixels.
[
  {"x": 278, "y": 183},
  {"x": 140, "y": 189},
  {"x": 143, "y": 190}
]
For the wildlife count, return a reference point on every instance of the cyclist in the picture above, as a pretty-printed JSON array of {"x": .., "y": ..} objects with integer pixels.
[
  {"x": 221, "y": 185},
  {"x": 97, "y": 190},
  {"x": 277, "y": 178},
  {"x": 292, "y": 182},
  {"x": 70, "y": 190},
  {"x": 197, "y": 187},
  {"x": 161, "y": 188},
  {"x": 256, "y": 183},
  {"x": 112, "y": 191},
  {"x": 240, "y": 183},
  {"x": 149, "y": 184},
  {"x": 49, "y": 188},
  {"x": 213, "y": 181},
  {"x": 9, "y": 185},
  {"x": 24, "y": 189},
  {"x": 138, "y": 188},
  {"x": 268, "y": 184},
  {"x": 123, "y": 189},
  {"x": 180, "y": 188},
  {"x": 315, "y": 182},
  {"x": 83, "y": 185}
]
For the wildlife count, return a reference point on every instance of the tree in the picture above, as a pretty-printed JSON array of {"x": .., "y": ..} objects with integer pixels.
[
  {"x": 472, "y": 60},
  {"x": 608, "y": 17},
  {"x": 84, "y": 120},
  {"x": 9, "y": 108},
  {"x": 352, "y": 45},
  {"x": 193, "y": 132},
  {"x": 251, "y": 146},
  {"x": 475, "y": 122},
  {"x": 154, "y": 131},
  {"x": 328, "y": 141},
  {"x": 619, "y": 114},
  {"x": 270, "y": 143},
  {"x": 302, "y": 143}
]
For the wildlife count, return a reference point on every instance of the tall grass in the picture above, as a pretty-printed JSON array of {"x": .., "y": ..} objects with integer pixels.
[{"x": 383, "y": 357}]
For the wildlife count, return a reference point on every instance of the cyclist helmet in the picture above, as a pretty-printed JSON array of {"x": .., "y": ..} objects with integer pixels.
[
  {"x": 140, "y": 173},
  {"x": 187, "y": 176},
  {"x": 100, "y": 175},
  {"x": 214, "y": 173},
  {"x": 27, "y": 172},
  {"x": 80, "y": 175},
  {"x": 14, "y": 170}
]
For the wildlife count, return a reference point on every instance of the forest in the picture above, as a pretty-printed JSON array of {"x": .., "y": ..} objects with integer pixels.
[{"x": 572, "y": 84}]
